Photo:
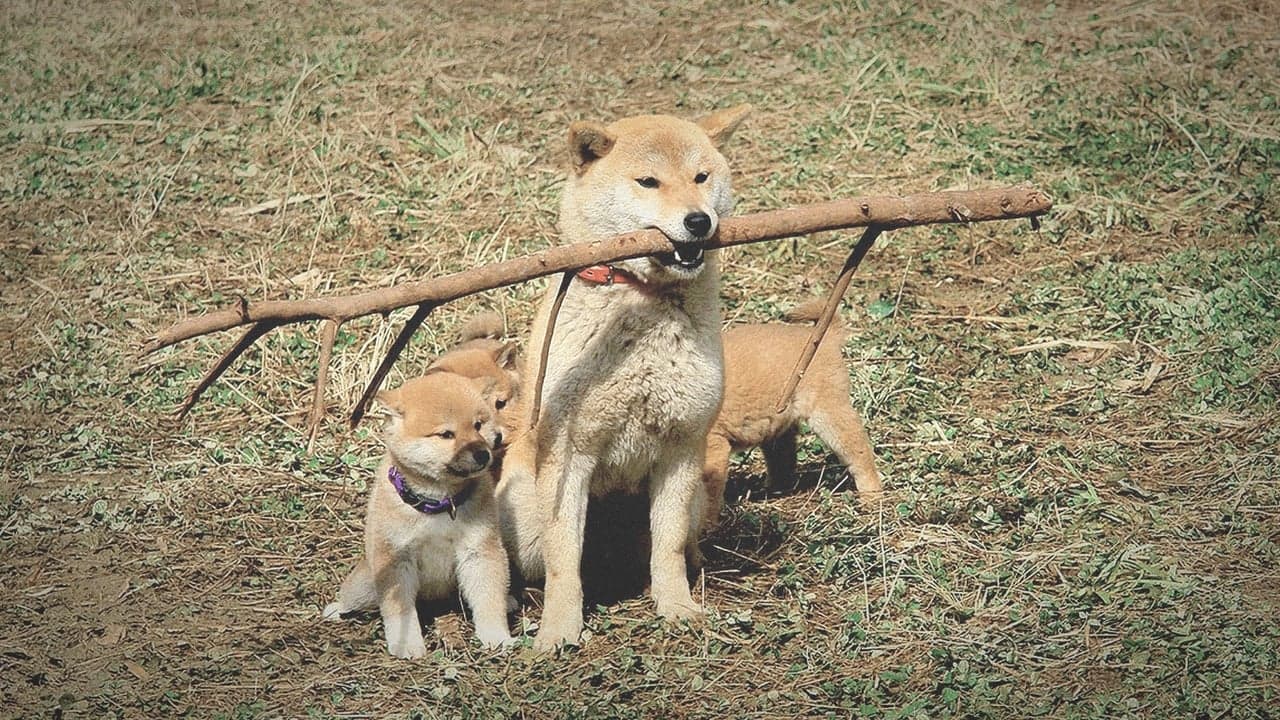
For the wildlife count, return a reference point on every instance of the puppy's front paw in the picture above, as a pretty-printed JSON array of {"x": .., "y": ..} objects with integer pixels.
[
  {"x": 408, "y": 649},
  {"x": 332, "y": 611}
]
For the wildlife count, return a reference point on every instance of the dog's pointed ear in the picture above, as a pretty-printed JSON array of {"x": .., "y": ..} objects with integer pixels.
[
  {"x": 588, "y": 142},
  {"x": 719, "y": 125},
  {"x": 506, "y": 356},
  {"x": 390, "y": 404}
]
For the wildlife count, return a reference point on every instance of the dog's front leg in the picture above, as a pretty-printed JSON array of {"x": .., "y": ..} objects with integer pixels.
[
  {"x": 483, "y": 578},
  {"x": 671, "y": 495},
  {"x": 565, "y": 489},
  {"x": 397, "y": 600}
]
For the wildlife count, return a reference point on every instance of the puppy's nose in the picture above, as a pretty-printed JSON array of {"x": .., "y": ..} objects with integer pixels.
[
  {"x": 497, "y": 438},
  {"x": 698, "y": 223},
  {"x": 481, "y": 456}
]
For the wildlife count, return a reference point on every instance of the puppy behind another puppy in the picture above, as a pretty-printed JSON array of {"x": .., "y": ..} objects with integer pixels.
[
  {"x": 482, "y": 355},
  {"x": 431, "y": 527},
  {"x": 756, "y": 358}
]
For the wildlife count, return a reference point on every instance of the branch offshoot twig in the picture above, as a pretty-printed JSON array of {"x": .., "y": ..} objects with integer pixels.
[{"x": 828, "y": 314}]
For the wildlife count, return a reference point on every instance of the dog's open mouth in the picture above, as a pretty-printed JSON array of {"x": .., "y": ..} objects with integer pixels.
[{"x": 686, "y": 257}]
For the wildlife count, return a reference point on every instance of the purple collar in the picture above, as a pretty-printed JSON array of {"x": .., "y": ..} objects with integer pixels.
[{"x": 426, "y": 505}]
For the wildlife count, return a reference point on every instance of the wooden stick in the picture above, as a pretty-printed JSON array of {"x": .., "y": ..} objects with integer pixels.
[
  {"x": 885, "y": 212},
  {"x": 828, "y": 314},
  {"x": 249, "y": 337},
  {"x": 546, "y": 349}
]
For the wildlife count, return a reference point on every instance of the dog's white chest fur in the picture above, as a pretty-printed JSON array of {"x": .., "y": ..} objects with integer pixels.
[
  {"x": 631, "y": 375},
  {"x": 430, "y": 542}
]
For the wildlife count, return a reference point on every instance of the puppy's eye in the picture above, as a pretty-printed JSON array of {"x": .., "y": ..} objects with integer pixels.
[
  {"x": 647, "y": 182},
  {"x": 700, "y": 178},
  {"x": 500, "y": 404},
  {"x": 479, "y": 424},
  {"x": 446, "y": 434}
]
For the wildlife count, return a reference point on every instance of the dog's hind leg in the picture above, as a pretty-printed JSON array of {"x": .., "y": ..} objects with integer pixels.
[
  {"x": 841, "y": 428},
  {"x": 564, "y": 487},
  {"x": 671, "y": 491},
  {"x": 780, "y": 458},
  {"x": 715, "y": 475},
  {"x": 358, "y": 593}
]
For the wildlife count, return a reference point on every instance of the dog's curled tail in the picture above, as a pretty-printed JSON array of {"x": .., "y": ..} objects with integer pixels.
[
  {"x": 487, "y": 324},
  {"x": 808, "y": 311}
]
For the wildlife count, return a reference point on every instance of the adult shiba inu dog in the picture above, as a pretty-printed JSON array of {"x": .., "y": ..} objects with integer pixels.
[
  {"x": 758, "y": 360},
  {"x": 431, "y": 527},
  {"x": 634, "y": 372}
]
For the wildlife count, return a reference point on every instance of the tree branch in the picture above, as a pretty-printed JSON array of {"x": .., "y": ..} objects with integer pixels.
[{"x": 884, "y": 211}]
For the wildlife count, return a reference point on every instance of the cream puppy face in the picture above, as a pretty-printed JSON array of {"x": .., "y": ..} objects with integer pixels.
[{"x": 440, "y": 429}]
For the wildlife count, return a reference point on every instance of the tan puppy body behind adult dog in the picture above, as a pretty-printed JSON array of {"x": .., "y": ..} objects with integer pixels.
[
  {"x": 431, "y": 526},
  {"x": 758, "y": 360},
  {"x": 634, "y": 371}
]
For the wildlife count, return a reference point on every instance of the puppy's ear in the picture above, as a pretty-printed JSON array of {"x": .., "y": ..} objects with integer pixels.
[
  {"x": 506, "y": 356},
  {"x": 390, "y": 403},
  {"x": 588, "y": 142},
  {"x": 719, "y": 125}
]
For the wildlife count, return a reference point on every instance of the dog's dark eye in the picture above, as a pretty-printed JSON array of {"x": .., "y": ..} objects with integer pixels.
[
  {"x": 478, "y": 424},
  {"x": 447, "y": 434},
  {"x": 648, "y": 182},
  {"x": 500, "y": 404},
  {"x": 700, "y": 178}
]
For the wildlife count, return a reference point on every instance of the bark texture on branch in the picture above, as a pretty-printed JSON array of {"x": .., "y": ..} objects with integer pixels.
[{"x": 884, "y": 212}]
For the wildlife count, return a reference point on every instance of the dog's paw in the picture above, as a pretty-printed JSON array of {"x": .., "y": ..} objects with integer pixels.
[
  {"x": 332, "y": 611},
  {"x": 554, "y": 635},
  {"x": 683, "y": 609},
  {"x": 408, "y": 650},
  {"x": 495, "y": 639}
]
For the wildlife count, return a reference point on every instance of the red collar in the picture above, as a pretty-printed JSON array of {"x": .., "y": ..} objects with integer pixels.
[{"x": 609, "y": 275}]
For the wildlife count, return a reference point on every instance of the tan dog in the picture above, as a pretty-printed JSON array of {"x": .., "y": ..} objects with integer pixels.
[
  {"x": 431, "y": 527},
  {"x": 483, "y": 356},
  {"x": 634, "y": 373},
  {"x": 758, "y": 361}
]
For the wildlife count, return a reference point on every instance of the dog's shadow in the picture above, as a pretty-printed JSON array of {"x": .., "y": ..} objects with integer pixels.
[{"x": 615, "y": 557}]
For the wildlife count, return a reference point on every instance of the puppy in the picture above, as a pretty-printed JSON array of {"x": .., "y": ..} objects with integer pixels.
[
  {"x": 483, "y": 356},
  {"x": 758, "y": 361},
  {"x": 633, "y": 375},
  {"x": 431, "y": 527}
]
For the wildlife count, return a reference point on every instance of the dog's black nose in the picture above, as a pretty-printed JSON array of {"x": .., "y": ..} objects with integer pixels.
[
  {"x": 497, "y": 438},
  {"x": 481, "y": 457},
  {"x": 698, "y": 223}
]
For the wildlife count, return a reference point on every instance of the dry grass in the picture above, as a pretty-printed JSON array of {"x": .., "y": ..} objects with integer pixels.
[{"x": 1087, "y": 528}]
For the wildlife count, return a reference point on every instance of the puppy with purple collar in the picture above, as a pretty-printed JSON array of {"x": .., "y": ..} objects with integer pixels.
[{"x": 431, "y": 527}]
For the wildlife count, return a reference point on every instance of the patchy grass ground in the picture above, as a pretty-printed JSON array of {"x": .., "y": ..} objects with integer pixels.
[{"x": 1072, "y": 530}]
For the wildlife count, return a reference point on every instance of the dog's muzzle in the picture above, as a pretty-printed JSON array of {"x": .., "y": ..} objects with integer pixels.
[
  {"x": 687, "y": 256},
  {"x": 472, "y": 459}
]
